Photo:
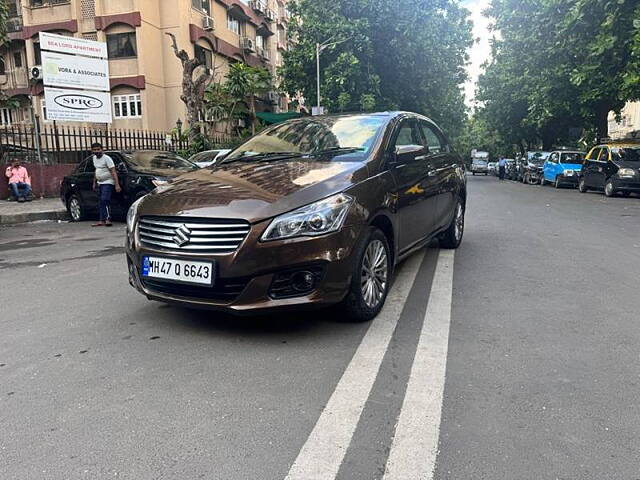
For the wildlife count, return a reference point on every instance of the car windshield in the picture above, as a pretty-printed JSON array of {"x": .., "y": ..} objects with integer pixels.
[
  {"x": 538, "y": 157},
  {"x": 479, "y": 161},
  {"x": 205, "y": 156},
  {"x": 572, "y": 158},
  {"x": 345, "y": 138},
  {"x": 627, "y": 154},
  {"x": 160, "y": 160}
]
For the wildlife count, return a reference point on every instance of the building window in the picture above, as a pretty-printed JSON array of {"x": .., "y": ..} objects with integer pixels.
[
  {"x": 233, "y": 24},
  {"x": 37, "y": 53},
  {"x": 127, "y": 106},
  {"x": 6, "y": 116},
  {"x": 43, "y": 105},
  {"x": 202, "y": 5},
  {"x": 122, "y": 45},
  {"x": 17, "y": 59},
  {"x": 260, "y": 42},
  {"x": 204, "y": 55}
]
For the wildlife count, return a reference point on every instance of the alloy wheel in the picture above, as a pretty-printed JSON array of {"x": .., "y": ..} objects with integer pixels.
[
  {"x": 608, "y": 189},
  {"x": 75, "y": 209},
  {"x": 375, "y": 269}
]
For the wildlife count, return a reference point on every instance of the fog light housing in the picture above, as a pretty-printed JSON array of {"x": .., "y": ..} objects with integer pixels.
[{"x": 296, "y": 282}]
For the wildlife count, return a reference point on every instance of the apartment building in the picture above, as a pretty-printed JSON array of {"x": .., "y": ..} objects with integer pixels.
[
  {"x": 146, "y": 76},
  {"x": 629, "y": 121}
]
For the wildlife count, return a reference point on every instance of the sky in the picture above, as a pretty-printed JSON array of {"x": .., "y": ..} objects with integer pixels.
[{"x": 481, "y": 50}]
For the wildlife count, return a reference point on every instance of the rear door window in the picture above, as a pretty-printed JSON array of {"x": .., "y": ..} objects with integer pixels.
[{"x": 604, "y": 155}]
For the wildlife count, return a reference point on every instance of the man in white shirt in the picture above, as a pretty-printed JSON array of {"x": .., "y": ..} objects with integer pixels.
[{"x": 107, "y": 181}]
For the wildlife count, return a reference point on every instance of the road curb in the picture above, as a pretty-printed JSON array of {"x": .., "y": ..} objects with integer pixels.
[{"x": 16, "y": 218}]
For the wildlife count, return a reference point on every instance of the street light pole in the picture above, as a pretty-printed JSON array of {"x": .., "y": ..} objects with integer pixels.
[{"x": 320, "y": 47}]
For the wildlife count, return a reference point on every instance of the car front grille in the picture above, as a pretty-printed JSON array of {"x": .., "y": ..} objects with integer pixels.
[
  {"x": 193, "y": 235},
  {"x": 223, "y": 290}
]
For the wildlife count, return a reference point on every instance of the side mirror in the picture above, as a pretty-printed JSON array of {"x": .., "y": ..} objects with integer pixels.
[{"x": 408, "y": 153}]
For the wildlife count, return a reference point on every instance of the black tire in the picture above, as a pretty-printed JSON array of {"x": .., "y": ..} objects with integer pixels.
[
  {"x": 543, "y": 181},
  {"x": 557, "y": 182},
  {"x": 582, "y": 187},
  {"x": 355, "y": 304},
  {"x": 76, "y": 210},
  {"x": 452, "y": 236},
  {"x": 609, "y": 190}
]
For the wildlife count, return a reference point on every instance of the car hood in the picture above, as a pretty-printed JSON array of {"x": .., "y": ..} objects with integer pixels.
[
  {"x": 252, "y": 191},
  {"x": 633, "y": 165},
  {"x": 571, "y": 166}
]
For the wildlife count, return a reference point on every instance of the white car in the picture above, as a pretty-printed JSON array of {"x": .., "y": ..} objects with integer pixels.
[
  {"x": 208, "y": 158},
  {"x": 493, "y": 167}
]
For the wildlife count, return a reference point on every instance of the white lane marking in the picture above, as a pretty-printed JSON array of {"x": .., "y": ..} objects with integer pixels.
[
  {"x": 415, "y": 443},
  {"x": 323, "y": 452}
]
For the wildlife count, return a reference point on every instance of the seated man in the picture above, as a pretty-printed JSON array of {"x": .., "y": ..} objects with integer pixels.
[{"x": 19, "y": 182}]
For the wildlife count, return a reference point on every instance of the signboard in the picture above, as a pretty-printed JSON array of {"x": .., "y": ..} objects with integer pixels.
[
  {"x": 71, "y": 45},
  {"x": 62, "y": 70},
  {"x": 78, "y": 105}
]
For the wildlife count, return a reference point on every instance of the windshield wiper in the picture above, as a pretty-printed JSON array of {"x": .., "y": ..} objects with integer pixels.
[{"x": 327, "y": 151}]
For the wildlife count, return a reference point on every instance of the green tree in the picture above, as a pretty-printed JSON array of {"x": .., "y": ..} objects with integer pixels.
[
  {"x": 405, "y": 54},
  {"x": 246, "y": 83}
]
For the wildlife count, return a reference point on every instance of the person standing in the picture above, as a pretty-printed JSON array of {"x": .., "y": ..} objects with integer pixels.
[
  {"x": 106, "y": 179},
  {"x": 19, "y": 181},
  {"x": 502, "y": 167}
]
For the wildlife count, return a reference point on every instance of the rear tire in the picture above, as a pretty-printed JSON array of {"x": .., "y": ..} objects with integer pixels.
[
  {"x": 75, "y": 209},
  {"x": 582, "y": 187},
  {"x": 452, "y": 237},
  {"x": 371, "y": 277}
]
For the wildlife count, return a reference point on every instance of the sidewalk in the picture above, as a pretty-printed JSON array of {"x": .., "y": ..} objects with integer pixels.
[{"x": 46, "y": 209}]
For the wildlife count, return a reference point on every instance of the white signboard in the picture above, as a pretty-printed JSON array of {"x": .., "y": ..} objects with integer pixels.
[
  {"x": 78, "y": 105},
  {"x": 75, "y": 46},
  {"x": 62, "y": 70}
]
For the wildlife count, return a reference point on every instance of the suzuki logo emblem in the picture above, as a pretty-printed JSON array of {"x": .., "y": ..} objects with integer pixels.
[{"x": 182, "y": 236}]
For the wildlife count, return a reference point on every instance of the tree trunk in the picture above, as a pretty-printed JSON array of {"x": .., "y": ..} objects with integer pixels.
[
  {"x": 252, "y": 107},
  {"x": 602, "y": 122}
]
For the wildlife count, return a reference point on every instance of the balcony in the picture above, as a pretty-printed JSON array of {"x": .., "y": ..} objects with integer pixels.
[
  {"x": 49, "y": 11},
  {"x": 16, "y": 78},
  {"x": 14, "y": 24}
]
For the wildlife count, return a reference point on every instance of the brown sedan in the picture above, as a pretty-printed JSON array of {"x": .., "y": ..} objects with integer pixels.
[{"x": 315, "y": 211}]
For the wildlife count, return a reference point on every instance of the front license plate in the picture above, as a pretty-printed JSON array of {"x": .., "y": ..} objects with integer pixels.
[{"x": 182, "y": 271}]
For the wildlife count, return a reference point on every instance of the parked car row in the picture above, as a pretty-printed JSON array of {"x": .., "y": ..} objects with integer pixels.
[{"x": 612, "y": 167}]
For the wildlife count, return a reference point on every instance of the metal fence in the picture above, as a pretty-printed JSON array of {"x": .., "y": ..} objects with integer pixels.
[{"x": 66, "y": 144}]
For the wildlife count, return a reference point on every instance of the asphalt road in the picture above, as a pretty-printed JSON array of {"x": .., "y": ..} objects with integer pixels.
[{"x": 537, "y": 329}]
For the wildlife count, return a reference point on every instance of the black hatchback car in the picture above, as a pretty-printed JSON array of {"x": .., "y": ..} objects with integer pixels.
[
  {"x": 139, "y": 172},
  {"x": 613, "y": 167}
]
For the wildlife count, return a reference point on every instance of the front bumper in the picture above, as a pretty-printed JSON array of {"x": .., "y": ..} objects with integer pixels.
[
  {"x": 568, "y": 179},
  {"x": 244, "y": 278},
  {"x": 622, "y": 184}
]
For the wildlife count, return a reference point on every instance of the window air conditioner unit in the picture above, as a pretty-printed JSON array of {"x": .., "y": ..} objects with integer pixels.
[
  {"x": 208, "y": 24},
  {"x": 248, "y": 44},
  {"x": 35, "y": 73}
]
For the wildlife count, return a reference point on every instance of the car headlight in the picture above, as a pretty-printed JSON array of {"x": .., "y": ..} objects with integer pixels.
[
  {"x": 319, "y": 218},
  {"x": 626, "y": 172},
  {"x": 132, "y": 214},
  {"x": 569, "y": 173},
  {"x": 159, "y": 182}
]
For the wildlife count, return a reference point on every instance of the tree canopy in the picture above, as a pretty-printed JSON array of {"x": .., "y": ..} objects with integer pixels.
[
  {"x": 405, "y": 54},
  {"x": 559, "y": 67}
]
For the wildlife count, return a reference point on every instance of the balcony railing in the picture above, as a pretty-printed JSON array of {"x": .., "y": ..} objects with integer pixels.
[{"x": 47, "y": 3}]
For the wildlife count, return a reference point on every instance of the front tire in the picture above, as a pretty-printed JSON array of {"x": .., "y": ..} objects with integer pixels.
[
  {"x": 371, "y": 277},
  {"x": 452, "y": 237},
  {"x": 609, "y": 189},
  {"x": 543, "y": 181},
  {"x": 557, "y": 182},
  {"x": 75, "y": 209}
]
